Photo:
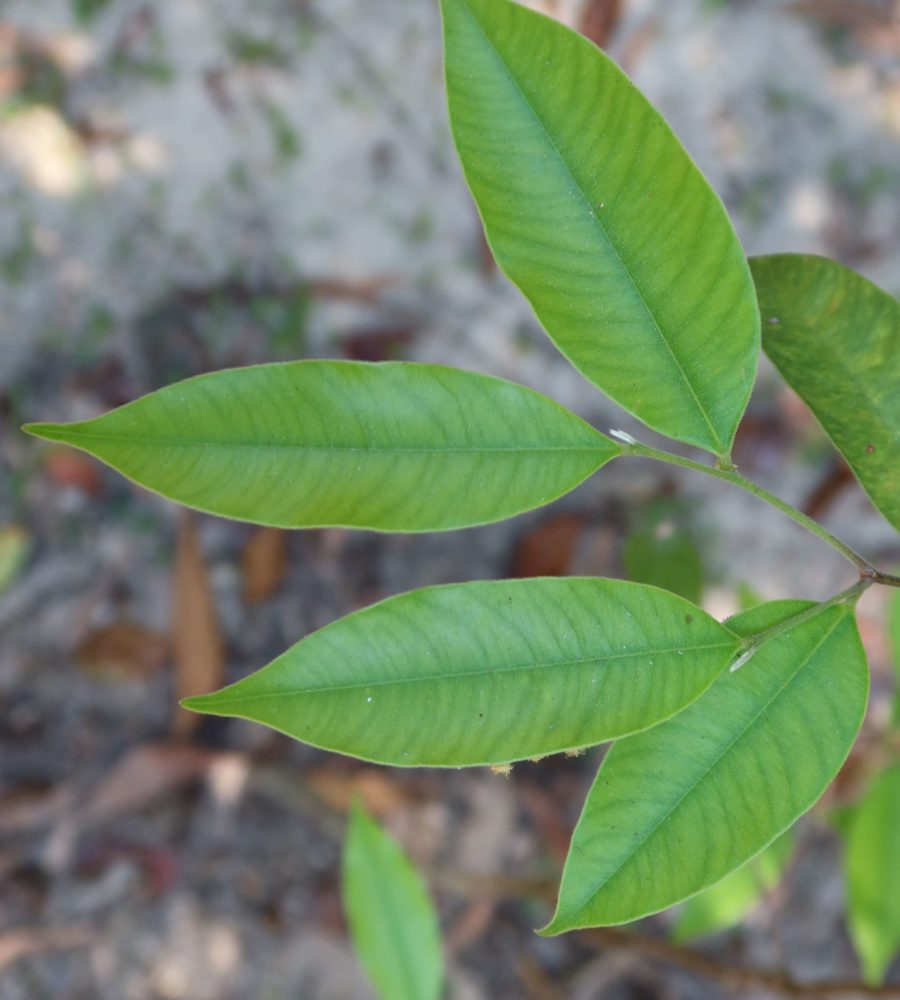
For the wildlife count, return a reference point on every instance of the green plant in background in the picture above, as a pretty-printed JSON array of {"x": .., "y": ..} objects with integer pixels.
[
  {"x": 592, "y": 207},
  {"x": 392, "y": 920}
]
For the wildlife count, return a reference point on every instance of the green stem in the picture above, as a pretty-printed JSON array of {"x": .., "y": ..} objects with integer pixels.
[
  {"x": 731, "y": 475},
  {"x": 849, "y": 596}
]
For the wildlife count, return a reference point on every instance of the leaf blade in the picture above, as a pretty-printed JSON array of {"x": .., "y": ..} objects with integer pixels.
[
  {"x": 872, "y": 862},
  {"x": 392, "y": 920},
  {"x": 498, "y": 671},
  {"x": 622, "y": 249},
  {"x": 721, "y": 776},
  {"x": 835, "y": 338},
  {"x": 391, "y": 447},
  {"x": 728, "y": 902}
]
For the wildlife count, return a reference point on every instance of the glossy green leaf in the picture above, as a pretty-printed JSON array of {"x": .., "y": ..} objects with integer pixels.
[
  {"x": 593, "y": 208},
  {"x": 486, "y": 673},
  {"x": 728, "y": 902},
  {"x": 392, "y": 920},
  {"x": 835, "y": 337},
  {"x": 872, "y": 864},
  {"x": 394, "y": 447},
  {"x": 675, "y": 809}
]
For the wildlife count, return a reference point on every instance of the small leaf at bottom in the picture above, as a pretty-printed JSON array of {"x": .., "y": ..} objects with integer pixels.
[
  {"x": 677, "y": 808},
  {"x": 392, "y": 920}
]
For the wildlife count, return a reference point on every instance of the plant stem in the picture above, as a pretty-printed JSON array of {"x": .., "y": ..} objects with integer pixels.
[
  {"x": 849, "y": 596},
  {"x": 732, "y": 476}
]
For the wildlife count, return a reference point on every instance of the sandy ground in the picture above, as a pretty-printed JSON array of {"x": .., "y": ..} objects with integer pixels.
[{"x": 195, "y": 184}]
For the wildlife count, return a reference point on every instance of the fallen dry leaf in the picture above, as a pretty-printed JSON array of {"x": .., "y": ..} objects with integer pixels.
[
  {"x": 145, "y": 774},
  {"x": 386, "y": 343},
  {"x": 263, "y": 563},
  {"x": 123, "y": 649},
  {"x": 197, "y": 647},
  {"x": 68, "y": 468},
  {"x": 471, "y": 925},
  {"x": 598, "y": 20},
  {"x": 337, "y": 789},
  {"x": 28, "y": 808},
  {"x": 548, "y": 549},
  {"x": 34, "y": 940}
]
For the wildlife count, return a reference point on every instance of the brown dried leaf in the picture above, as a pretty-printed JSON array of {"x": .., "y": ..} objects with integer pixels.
[
  {"x": 27, "y": 808},
  {"x": 197, "y": 646},
  {"x": 35, "y": 940},
  {"x": 264, "y": 563},
  {"x": 471, "y": 926},
  {"x": 598, "y": 20},
  {"x": 386, "y": 343},
  {"x": 337, "y": 789},
  {"x": 68, "y": 468},
  {"x": 144, "y": 774},
  {"x": 548, "y": 549},
  {"x": 123, "y": 649}
]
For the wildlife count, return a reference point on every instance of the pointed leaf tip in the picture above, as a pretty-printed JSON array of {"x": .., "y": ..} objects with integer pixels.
[
  {"x": 749, "y": 756},
  {"x": 49, "y": 432},
  {"x": 199, "y": 703}
]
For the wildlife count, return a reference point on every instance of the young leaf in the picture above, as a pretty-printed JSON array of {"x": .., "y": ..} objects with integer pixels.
[
  {"x": 873, "y": 875},
  {"x": 675, "y": 809},
  {"x": 487, "y": 673},
  {"x": 593, "y": 208},
  {"x": 835, "y": 337},
  {"x": 393, "y": 447},
  {"x": 392, "y": 920},
  {"x": 726, "y": 903}
]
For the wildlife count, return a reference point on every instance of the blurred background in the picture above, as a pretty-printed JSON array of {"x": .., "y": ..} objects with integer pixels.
[{"x": 198, "y": 184}]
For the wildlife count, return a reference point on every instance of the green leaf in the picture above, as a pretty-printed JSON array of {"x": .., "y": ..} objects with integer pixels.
[
  {"x": 873, "y": 875},
  {"x": 661, "y": 551},
  {"x": 835, "y": 337},
  {"x": 15, "y": 545},
  {"x": 487, "y": 673},
  {"x": 728, "y": 902},
  {"x": 86, "y": 10},
  {"x": 593, "y": 208},
  {"x": 393, "y": 447},
  {"x": 675, "y": 809},
  {"x": 392, "y": 920},
  {"x": 894, "y": 636}
]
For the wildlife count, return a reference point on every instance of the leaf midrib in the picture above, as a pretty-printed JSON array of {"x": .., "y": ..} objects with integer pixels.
[
  {"x": 435, "y": 678},
  {"x": 690, "y": 791},
  {"x": 166, "y": 442},
  {"x": 587, "y": 201}
]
